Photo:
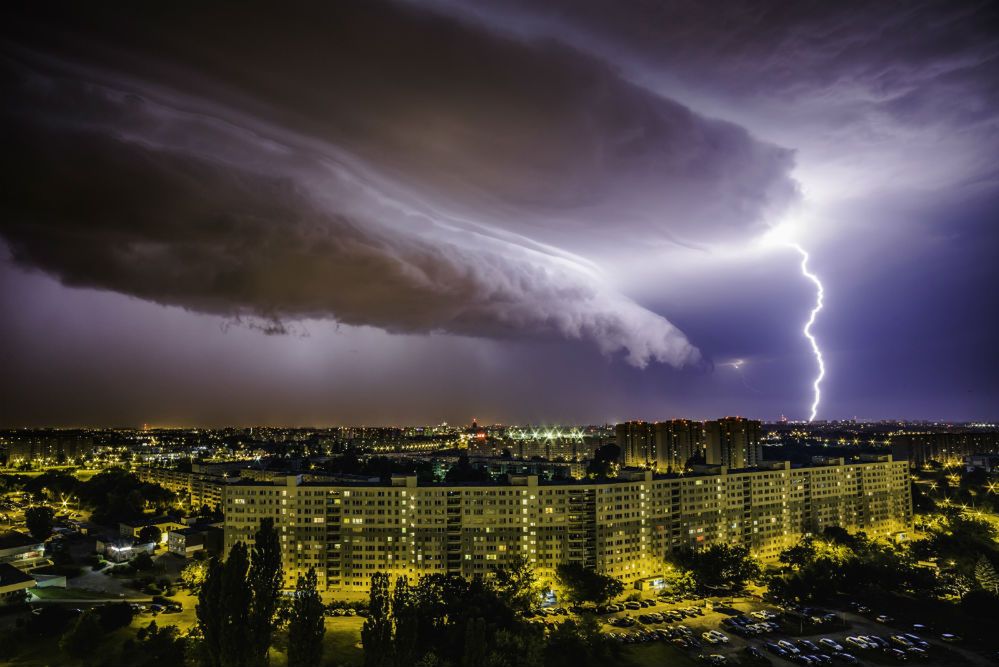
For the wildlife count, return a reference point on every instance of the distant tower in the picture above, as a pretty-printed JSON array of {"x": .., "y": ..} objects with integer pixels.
[{"x": 733, "y": 442}]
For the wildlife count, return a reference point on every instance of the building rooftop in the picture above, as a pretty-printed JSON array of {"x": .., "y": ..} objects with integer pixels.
[
  {"x": 12, "y": 539},
  {"x": 150, "y": 521},
  {"x": 625, "y": 476},
  {"x": 10, "y": 576}
]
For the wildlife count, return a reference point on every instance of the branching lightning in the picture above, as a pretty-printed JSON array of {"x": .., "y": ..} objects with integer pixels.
[{"x": 819, "y": 293}]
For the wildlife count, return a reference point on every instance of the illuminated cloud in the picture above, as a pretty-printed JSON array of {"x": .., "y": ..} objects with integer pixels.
[{"x": 492, "y": 206}]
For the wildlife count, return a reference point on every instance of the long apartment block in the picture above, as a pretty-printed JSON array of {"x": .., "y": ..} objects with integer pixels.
[{"x": 625, "y": 527}]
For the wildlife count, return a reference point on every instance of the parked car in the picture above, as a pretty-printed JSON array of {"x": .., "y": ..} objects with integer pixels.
[
  {"x": 755, "y": 656},
  {"x": 882, "y": 618},
  {"x": 789, "y": 647},
  {"x": 776, "y": 650},
  {"x": 831, "y": 644}
]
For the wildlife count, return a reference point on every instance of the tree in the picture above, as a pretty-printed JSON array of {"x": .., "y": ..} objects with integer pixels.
[
  {"x": 265, "y": 584},
  {"x": 521, "y": 648},
  {"x": 464, "y": 471},
  {"x": 223, "y": 611},
  {"x": 679, "y": 580},
  {"x": 376, "y": 633},
  {"x": 155, "y": 647},
  {"x": 236, "y": 646},
  {"x": 578, "y": 644},
  {"x": 603, "y": 461},
  {"x": 209, "y": 614},
  {"x": 39, "y": 521},
  {"x": 114, "y": 616},
  {"x": 150, "y": 534},
  {"x": 518, "y": 584},
  {"x": 407, "y": 623},
  {"x": 721, "y": 567},
  {"x": 476, "y": 646},
  {"x": 985, "y": 575},
  {"x": 585, "y": 584},
  {"x": 193, "y": 575},
  {"x": 307, "y": 624},
  {"x": 82, "y": 637},
  {"x": 142, "y": 562}
]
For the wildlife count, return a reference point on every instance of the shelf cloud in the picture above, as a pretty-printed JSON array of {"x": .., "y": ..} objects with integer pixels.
[{"x": 349, "y": 183}]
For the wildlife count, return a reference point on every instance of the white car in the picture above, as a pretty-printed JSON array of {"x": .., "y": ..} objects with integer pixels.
[
  {"x": 857, "y": 642},
  {"x": 830, "y": 644},
  {"x": 789, "y": 647},
  {"x": 709, "y": 637}
]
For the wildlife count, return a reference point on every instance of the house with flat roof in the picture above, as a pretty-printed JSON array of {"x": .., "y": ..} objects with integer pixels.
[
  {"x": 22, "y": 551},
  {"x": 133, "y": 527},
  {"x": 14, "y": 585}
]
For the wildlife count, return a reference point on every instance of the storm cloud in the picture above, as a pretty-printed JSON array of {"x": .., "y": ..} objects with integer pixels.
[
  {"x": 438, "y": 178},
  {"x": 462, "y": 202}
]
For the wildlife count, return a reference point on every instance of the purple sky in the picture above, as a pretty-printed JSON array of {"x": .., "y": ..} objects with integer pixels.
[{"x": 518, "y": 211}]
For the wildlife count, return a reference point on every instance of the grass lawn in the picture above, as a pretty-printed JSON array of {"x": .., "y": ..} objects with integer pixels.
[
  {"x": 343, "y": 634},
  {"x": 656, "y": 654},
  {"x": 47, "y": 653},
  {"x": 340, "y": 644}
]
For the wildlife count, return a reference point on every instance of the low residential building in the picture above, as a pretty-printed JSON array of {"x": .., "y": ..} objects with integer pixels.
[
  {"x": 14, "y": 585},
  {"x": 133, "y": 527},
  {"x": 121, "y": 549},
  {"x": 21, "y": 550},
  {"x": 188, "y": 541},
  {"x": 201, "y": 486},
  {"x": 987, "y": 462},
  {"x": 626, "y": 527}
]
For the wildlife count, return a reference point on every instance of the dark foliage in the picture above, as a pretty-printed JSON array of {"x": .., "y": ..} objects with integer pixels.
[
  {"x": 39, "y": 521},
  {"x": 585, "y": 584},
  {"x": 307, "y": 624}
]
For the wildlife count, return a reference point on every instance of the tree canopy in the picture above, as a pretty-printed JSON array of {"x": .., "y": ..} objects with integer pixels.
[{"x": 585, "y": 584}]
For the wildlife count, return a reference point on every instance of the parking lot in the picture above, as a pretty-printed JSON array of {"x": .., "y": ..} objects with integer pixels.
[{"x": 748, "y": 632}]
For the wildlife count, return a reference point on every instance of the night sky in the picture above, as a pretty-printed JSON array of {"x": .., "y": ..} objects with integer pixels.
[{"x": 561, "y": 211}]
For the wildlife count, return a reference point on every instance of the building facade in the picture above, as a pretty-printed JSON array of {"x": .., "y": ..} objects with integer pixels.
[
  {"x": 46, "y": 447},
  {"x": 919, "y": 449},
  {"x": 624, "y": 528},
  {"x": 733, "y": 442},
  {"x": 201, "y": 486}
]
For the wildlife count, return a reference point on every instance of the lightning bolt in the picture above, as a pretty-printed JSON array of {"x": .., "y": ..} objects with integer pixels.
[{"x": 819, "y": 293}]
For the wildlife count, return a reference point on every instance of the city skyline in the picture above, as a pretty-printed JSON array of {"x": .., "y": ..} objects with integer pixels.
[{"x": 405, "y": 213}]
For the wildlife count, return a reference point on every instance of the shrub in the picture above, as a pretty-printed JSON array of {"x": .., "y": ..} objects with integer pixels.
[{"x": 115, "y": 615}]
